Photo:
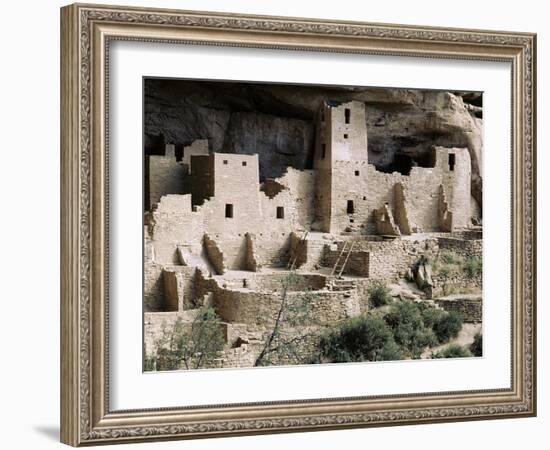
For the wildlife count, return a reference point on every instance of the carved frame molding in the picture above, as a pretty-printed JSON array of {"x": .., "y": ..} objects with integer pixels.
[{"x": 86, "y": 31}]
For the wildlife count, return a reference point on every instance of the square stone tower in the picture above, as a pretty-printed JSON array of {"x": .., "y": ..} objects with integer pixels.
[{"x": 341, "y": 161}]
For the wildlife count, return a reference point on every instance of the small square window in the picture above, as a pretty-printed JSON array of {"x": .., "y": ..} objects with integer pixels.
[
  {"x": 244, "y": 163},
  {"x": 345, "y": 135},
  {"x": 364, "y": 198},
  {"x": 356, "y": 173},
  {"x": 280, "y": 212},
  {"x": 225, "y": 162}
]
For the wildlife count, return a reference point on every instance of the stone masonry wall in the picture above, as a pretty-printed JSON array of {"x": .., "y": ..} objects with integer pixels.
[
  {"x": 456, "y": 282},
  {"x": 310, "y": 252},
  {"x": 465, "y": 247},
  {"x": 251, "y": 307},
  {"x": 198, "y": 147},
  {"x": 165, "y": 176},
  {"x": 174, "y": 223},
  {"x": 261, "y": 308},
  {"x": 358, "y": 262},
  {"x": 391, "y": 260},
  {"x": 156, "y": 322},
  {"x": 471, "y": 309}
]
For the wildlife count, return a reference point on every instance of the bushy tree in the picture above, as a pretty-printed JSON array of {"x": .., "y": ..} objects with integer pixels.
[
  {"x": 445, "y": 325},
  {"x": 448, "y": 326},
  {"x": 361, "y": 338},
  {"x": 453, "y": 351},
  {"x": 410, "y": 333},
  {"x": 477, "y": 346},
  {"x": 379, "y": 295},
  {"x": 431, "y": 316},
  {"x": 473, "y": 266}
]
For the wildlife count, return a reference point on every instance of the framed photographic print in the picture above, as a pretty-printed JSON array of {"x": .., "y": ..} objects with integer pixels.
[{"x": 276, "y": 224}]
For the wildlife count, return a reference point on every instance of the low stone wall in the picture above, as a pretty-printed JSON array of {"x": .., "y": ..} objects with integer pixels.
[
  {"x": 465, "y": 247},
  {"x": 259, "y": 308},
  {"x": 474, "y": 234},
  {"x": 391, "y": 260},
  {"x": 457, "y": 282},
  {"x": 309, "y": 253},
  {"x": 296, "y": 282},
  {"x": 471, "y": 309}
]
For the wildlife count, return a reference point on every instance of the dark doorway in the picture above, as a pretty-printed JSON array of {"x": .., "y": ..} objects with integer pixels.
[{"x": 351, "y": 207}]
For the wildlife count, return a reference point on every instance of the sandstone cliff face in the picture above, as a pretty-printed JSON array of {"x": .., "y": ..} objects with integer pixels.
[{"x": 277, "y": 122}]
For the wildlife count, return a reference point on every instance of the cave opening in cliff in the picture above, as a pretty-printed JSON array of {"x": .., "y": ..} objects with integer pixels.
[{"x": 403, "y": 163}]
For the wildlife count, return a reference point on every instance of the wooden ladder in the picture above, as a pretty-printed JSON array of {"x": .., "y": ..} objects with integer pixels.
[
  {"x": 299, "y": 250},
  {"x": 342, "y": 259}
]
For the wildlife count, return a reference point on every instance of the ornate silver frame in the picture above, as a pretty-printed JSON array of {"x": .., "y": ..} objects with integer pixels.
[{"x": 86, "y": 31}]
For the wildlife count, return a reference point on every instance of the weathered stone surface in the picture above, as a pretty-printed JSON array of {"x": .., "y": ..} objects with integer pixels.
[
  {"x": 383, "y": 219},
  {"x": 470, "y": 307}
]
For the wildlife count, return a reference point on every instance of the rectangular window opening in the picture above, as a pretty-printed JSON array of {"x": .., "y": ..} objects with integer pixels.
[
  {"x": 345, "y": 135},
  {"x": 225, "y": 162},
  {"x": 229, "y": 210},
  {"x": 347, "y": 114},
  {"x": 323, "y": 151},
  {"x": 452, "y": 162},
  {"x": 351, "y": 207},
  {"x": 356, "y": 173},
  {"x": 280, "y": 212},
  {"x": 244, "y": 163}
]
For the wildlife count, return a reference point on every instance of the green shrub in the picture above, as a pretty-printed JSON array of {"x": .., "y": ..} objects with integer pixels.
[
  {"x": 448, "y": 326},
  {"x": 477, "y": 346},
  {"x": 447, "y": 263},
  {"x": 379, "y": 295},
  {"x": 452, "y": 351},
  {"x": 473, "y": 266},
  {"x": 449, "y": 257},
  {"x": 431, "y": 316},
  {"x": 361, "y": 338},
  {"x": 405, "y": 320}
]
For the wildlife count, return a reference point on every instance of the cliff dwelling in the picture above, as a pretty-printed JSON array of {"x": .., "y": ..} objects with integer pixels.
[{"x": 219, "y": 235}]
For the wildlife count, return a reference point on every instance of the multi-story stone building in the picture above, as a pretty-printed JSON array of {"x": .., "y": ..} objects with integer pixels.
[{"x": 210, "y": 215}]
